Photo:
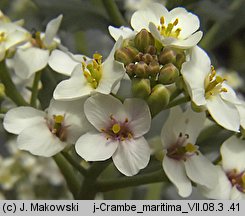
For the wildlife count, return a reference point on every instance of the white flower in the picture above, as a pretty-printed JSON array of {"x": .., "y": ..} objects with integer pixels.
[
  {"x": 176, "y": 28},
  {"x": 91, "y": 76},
  {"x": 183, "y": 162},
  {"x": 118, "y": 133},
  {"x": 123, "y": 32},
  {"x": 11, "y": 35},
  {"x": 209, "y": 90},
  {"x": 33, "y": 56},
  {"x": 231, "y": 172},
  {"x": 47, "y": 133}
]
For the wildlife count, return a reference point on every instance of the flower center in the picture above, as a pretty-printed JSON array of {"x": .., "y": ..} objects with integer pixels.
[
  {"x": 56, "y": 127},
  {"x": 168, "y": 31},
  {"x": 117, "y": 130},
  {"x": 93, "y": 71},
  {"x": 181, "y": 150},
  {"x": 36, "y": 39},
  {"x": 213, "y": 84},
  {"x": 2, "y": 37},
  {"x": 237, "y": 179}
]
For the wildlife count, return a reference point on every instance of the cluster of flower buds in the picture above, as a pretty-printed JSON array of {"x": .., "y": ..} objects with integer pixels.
[{"x": 151, "y": 67}]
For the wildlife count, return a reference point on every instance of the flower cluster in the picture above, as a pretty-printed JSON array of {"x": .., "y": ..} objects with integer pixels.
[{"x": 160, "y": 59}]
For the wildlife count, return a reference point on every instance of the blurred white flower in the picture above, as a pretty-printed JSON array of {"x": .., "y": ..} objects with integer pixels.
[
  {"x": 11, "y": 35},
  {"x": 210, "y": 91},
  {"x": 33, "y": 56},
  {"x": 232, "y": 77},
  {"x": 118, "y": 133},
  {"x": 91, "y": 75},
  {"x": 183, "y": 162},
  {"x": 47, "y": 133},
  {"x": 231, "y": 172}
]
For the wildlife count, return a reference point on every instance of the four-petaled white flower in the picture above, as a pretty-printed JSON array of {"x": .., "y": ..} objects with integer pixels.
[
  {"x": 47, "y": 133},
  {"x": 33, "y": 56},
  {"x": 11, "y": 35},
  {"x": 182, "y": 161},
  {"x": 92, "y": 75},
  {"x": 177, "y": 28},
  {"x": 231, "y": 172},
  {"x": 209, "y": 90},
  {"x": 118, "y": 133}
]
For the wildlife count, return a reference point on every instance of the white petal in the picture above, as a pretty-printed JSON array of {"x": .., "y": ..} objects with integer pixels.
[
  {"x": 233, "y": 154},
  {"x": 224, "y": 113},
  {"x": 131, "y": 156},
  {"x": 62, "y": 63},
  {"x": 200, "y": 170},
  {"x": 38, "y": 140},
  {"x": 73, "y": 88},
  {"x": 28, "y": 61},
  {"x": 19, "y": 118},
  {"x": 188, "y": 42},
  {"x": 99, "y": 109},
  {"x": 15, "y": 38},
  {"x": 141, "y": 18},
  {"x": 168, "y": 134},
  {"x": 139, "y": 116},
  {"x": 125, "y": 32},
  {"x": 241, "y": 110},
  {"x": 221, "y": 190},
  {"x": 52, "y": 29},
  {"x": 95, "y": 147},
  {"x": 175, "y": 171},
  {"x": 236, "y": 194},
  {"x": 190, "y": 123},
  {"x": 187, "y": 22},
  {"x": 113, "y": 72},
  {"x": 230, "y": 95}
]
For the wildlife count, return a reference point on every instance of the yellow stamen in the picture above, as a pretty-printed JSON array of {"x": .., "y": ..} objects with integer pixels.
[
  {"x": 116, "y": 128},
  {"x": 58, "y": 119},
  {"x": 190, "y": 148},
  {"x": 168, "y": 30}
]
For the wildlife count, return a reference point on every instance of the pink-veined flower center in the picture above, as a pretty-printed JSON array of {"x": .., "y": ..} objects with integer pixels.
[
  {"x": 118, "y": 130},
  {"x": 169, "y": 31},
  {"x": 57, "y": 127},
  {"x": 237, "y": 179},
  {"x": 182, "y": 149}
]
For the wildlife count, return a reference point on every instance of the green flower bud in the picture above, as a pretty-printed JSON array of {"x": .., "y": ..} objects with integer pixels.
[
  {"x": 138, "y": 57},
  {"x": 180, "y": 59},
  {"x": 141, "y": 69},
  {"x": 154, "y": 68},
  {"x": 151, "y": 50},
  {"x": 147, "y": 58},
  {"x": 168, "y": 74},
  {"x": 167, "y": 55},
  {"x": 2, "y": 91},
  {"x": 158, "y": 99},
  {"x": 141, "y": 87},
  {"x": 126, "y": 55},
  {"x": 128, "y": 42},
  {"x": 130, "y": 68},
  {"x": 143, "y": 40}
]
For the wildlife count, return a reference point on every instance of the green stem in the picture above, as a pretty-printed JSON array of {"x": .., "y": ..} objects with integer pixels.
[
  {"x": 66, "y": 169},
  {"x": 88, "y": 189},
  {"x": 157, "y": 176},
  {"x": 178, "y": 102},
  {"x": 114, "y": 13},
  {"x": 10, "y": 88},
  {"x": 35, "y": 89},
  {"x": 74, "y": 163}
]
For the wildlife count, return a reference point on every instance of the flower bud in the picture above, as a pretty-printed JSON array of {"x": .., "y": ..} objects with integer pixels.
[
  {"x": 141, "y": 87},
  {"x": 154, "y": 68},
  {"x": 147, "y": 58},
  {"x": 167, "y": 55},
  {"x": 128, "y": 42},
  {"x": 126, "y": 55},
  {"x": 151, "y": 50},
  {"x": 180, "y": 59},
  {"x": 141, "y": 69},
  {"x": 158, "y": 99},
  {"x": 143, "y": 40},
  {"x": 130, "y": 68},
  {"x": 168, "y": 74}
]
